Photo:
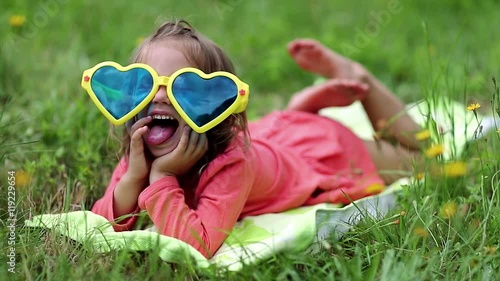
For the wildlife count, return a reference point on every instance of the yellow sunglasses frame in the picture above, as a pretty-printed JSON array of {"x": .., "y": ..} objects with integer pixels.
[{"x": 238, "y": 106}]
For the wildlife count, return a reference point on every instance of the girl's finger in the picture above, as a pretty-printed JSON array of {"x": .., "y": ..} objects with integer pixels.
[
  {"x": 140, "y": 123},
  {"x": 193, "y": 141},
  {"x": 136, "y": 143},
  {"x": 202, "y": 145},
  {"x": 183, "y": 142}
]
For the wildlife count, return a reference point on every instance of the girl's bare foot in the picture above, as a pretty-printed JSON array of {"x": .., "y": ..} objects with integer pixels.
[
  {"x": 313, "y": 56},
  {"x": 333, "y": 92},
  {"x": 378, "y": 101}
]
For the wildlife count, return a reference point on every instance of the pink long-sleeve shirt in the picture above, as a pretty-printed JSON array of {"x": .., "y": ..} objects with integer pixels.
[{"x": 294, "y": 159}]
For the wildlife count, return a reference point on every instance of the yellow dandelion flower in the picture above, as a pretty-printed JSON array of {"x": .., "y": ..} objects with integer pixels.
[
  {"x": 473, "y": 106},
  {"x": 375, "y": 188},
  {"x": 17, "y": 20},
  {"x": 419, "y": 176},
  {"x": 421, "y": 232},
  {"x": 449, "y": 210},
  {"x": 22, "y": 178},
  {"x": 434, "y": 150},
  {"x": 489, "y": 250},
  {"x": 455, "y": 169},
  {"x": 423, "y": 135}
]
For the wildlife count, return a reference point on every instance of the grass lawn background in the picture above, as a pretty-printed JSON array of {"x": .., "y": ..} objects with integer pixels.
[{"x": 57, "y": 141}]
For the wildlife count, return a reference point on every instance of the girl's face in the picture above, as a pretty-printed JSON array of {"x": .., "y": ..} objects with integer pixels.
[{"x": 166, "y": 128}]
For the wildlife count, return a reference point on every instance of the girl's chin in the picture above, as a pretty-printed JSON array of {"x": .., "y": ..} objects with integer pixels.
[
  {"x": 162, "y": 149},
  {"x": 158, "y": 151}
]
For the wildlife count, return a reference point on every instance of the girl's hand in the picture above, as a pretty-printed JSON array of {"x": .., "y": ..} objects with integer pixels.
[
  {"x": 138, "y": 166},
  {"x": 135, "y": 178},
  {"x": 192, "y": 146}
]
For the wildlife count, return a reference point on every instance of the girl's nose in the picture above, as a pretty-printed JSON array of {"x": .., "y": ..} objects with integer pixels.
[{"x": 161, "y": 96}]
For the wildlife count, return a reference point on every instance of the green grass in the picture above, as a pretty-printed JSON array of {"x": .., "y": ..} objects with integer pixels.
[{"x": 428, "y": 49}]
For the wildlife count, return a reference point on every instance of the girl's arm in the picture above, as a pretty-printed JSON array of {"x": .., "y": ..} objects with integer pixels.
[
  {"x": 221, "y": 196},
  {"x": 104, "y": 206}
]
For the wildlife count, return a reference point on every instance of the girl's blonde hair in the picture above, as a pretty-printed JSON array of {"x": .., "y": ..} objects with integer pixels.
[{"x": 205, "y": 55}]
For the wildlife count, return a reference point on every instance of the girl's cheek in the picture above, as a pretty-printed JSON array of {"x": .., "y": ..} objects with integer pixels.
[{"x": 143, "y": 113}]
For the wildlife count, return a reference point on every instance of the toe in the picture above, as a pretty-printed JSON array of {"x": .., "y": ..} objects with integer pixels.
[{"x": 295, "y": 45}]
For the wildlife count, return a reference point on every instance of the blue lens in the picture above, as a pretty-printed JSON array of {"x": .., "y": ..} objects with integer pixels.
[
  {"x": 203, "y": 100},
  {"x": 121, "y": 91}
]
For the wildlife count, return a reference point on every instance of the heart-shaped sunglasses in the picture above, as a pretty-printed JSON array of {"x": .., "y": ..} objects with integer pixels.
[{"x": 202, "y": 100}]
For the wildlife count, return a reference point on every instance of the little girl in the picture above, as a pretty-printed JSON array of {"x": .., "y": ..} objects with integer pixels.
[{"x": 195, "y": 187}]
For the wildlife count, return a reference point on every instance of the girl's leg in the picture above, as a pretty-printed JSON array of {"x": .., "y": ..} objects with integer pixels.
[
  {"x": 333, "y": 92},
  {"x": 393, "y": 162},
  {"x": 385, "y": 111}
]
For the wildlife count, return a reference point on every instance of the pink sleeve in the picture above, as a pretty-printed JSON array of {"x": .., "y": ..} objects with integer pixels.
[
  {"x": 104, "y": 206},
  {"x": 221, "y": 197}
]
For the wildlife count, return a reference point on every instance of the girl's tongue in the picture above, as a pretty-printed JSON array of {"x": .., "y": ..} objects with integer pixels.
[{"x": 160, "y": 133}]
